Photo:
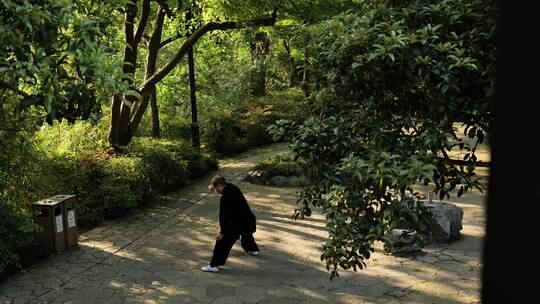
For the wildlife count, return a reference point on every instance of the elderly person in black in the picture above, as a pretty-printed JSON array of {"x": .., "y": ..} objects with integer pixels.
[{"x": 235, "y": 221}]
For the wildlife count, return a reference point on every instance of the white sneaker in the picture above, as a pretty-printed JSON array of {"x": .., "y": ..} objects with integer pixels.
[
  {"x": 253, "y": 252},
  {"x": 209, "y": 268}
]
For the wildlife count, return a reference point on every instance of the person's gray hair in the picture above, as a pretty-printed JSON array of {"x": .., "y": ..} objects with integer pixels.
[{"x": 217, "y": 180}]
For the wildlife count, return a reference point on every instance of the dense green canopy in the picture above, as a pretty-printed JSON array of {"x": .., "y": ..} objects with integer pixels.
[
  {"x": 388, "y": 90},
  {"x": 370, "y": 94}
]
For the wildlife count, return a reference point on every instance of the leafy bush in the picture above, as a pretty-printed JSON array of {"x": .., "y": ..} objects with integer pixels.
[
  {"x": 256, "y": 119},
  {"x": 199, "y": 167},
  {"x": 387, "y": 88},
  {"x": 194, "y": 164},
  {"x": 229, "y": 130},
  {"x": 175, "y": 128},
  {"x": 16, "y": 232},
  {"x": 260, "y": 113},
  {"x": 64, "y": 139},
  {"x": 166, "y": 162},
  {"x": 125, "y": 185},
  {"x": 281, "y": 164},
  {"x": 221, "y": 132},
  {"x": 110, "y": 185},
  {"x": 23, "y": 179},
  {"x": 24, "y": 171},
  {"x": 83, "y": 175}
]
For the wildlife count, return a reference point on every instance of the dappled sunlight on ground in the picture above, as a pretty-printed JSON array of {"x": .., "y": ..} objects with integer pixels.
[{"x": 154, "y": 257}]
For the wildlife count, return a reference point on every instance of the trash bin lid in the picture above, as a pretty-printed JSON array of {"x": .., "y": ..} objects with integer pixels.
[
  {"x": 46, "y": 202},
  {"x": 61, "y": 197}
]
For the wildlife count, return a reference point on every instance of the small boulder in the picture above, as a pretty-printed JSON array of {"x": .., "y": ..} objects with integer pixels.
[
  {"x": 278, "y": 180},
  {"x": 403, "y": 242},
  {"x": 300, "y": 181},
  {"x": 445, "y": 226},
  {"x": 254, "y": 179}
]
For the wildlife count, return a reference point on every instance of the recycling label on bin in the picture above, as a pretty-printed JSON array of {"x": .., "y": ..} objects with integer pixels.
[
  {"x": 59, "y": 224},
  {"x": 71, "y": 218}
]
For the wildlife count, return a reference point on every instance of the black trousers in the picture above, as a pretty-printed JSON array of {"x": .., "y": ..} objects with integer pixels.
[{"x": 223, "y": 247}]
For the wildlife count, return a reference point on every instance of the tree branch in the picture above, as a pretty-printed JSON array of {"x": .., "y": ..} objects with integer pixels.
[
  {"x": 142, "y": 23},
  {"x": 164, "y": 5},
  {"x": 151, "y": 59},
  {"x": 148, "y": 85},
  {"x": 169, "y": 40},
  {"x": 12, "y": 88},
  {"x": 460, "y": 162},
  {"x": 7, "y": 129},
  {"x": 295, "y": 6},
  {"x": 443, "y": 151}
]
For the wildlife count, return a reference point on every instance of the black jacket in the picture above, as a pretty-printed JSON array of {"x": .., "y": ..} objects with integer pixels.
[{"x": 235, "y": 216}]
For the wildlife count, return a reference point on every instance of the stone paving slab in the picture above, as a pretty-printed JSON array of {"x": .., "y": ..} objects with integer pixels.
[{"x": 154, "y": 256}]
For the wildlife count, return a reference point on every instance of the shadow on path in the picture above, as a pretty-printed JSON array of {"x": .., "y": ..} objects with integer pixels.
[{"x": 155, "y": 256}]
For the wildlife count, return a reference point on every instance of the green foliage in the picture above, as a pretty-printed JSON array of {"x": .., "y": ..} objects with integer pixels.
[
  {"x": 175, "y": 128},
  {"x": 313, "y": 11},
  {"x": 52, "y": 60},
  {"x": 23, "y": 175},
  {"x": 228, "y": 130},
  {"x": 16, "y": 231},
  {"x": 262, "y": 112},
  {"x": 222, "y": 134},
  {"x": 110, "y": 185},
  {"x": 189, "y": 164},
  {"x": 281, "y": 164},
  {"x": 88, "y": 169},
  {"x": 64, "y": 139},
  {"x": 71, "y": 159},
  {"x": 23, "y": 169},
  {"x": 126, "y": 184},
  {"x": 388, "y": 90}
]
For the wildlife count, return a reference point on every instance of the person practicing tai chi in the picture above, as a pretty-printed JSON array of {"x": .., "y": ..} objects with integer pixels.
[{"x": 235, "y": 221}]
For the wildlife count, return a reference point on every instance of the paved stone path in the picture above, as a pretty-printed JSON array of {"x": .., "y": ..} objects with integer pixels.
[{"x": 154, "y": 256}]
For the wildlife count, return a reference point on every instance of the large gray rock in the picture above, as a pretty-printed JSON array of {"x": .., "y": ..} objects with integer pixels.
[
  {"x": 263, "y": 178},
  {"x": 257, "y": 177},
  {"x": 279, "y": 180},
  {"x": 254, "y": 179},
  {"x": 399, "y": 242},
  {"x": 297, "y": 181},
  {"x": 445, "y": 226}
]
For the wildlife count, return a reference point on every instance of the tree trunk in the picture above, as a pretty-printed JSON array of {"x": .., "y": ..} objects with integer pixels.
[
  {"x": 156, "y": 132},
  {"x": 259, "y": 49},
  {"x": 120, "y": 110},
  {"x": 195, "y": 137},
  {"x": 150, "y": 68},
  {"x": 295, "y": 73},
  {"x": 121, "y": 133},
  {"x": 305, "y": 79}
]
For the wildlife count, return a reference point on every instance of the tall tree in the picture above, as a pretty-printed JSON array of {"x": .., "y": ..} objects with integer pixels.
[
  {"x": 195, "y": 136},
  {"x": 128, "y": 110},
  {"x": 388, "y": 88},
  {"x": 259, "y": 49}
]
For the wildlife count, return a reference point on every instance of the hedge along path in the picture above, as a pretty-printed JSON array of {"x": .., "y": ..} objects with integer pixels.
[
  {"x": 108, "y": 243},
  {"x": 154, "y": 256}
]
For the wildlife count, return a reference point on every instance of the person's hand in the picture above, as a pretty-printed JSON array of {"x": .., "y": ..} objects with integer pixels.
[{"x": 219, "y": 237}]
